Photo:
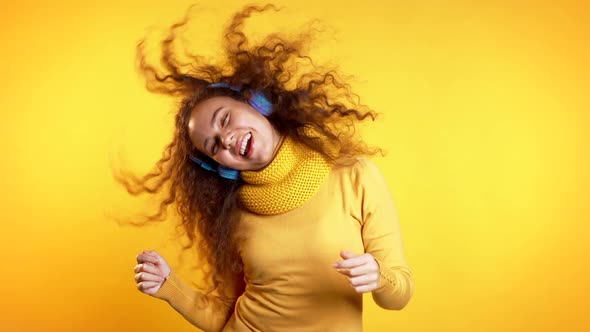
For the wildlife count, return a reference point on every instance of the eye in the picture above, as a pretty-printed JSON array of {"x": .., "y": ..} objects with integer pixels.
[{"x": 225, "y": 120}]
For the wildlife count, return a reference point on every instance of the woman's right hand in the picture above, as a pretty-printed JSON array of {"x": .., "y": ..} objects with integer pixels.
[{"x": 150, "y": 272}]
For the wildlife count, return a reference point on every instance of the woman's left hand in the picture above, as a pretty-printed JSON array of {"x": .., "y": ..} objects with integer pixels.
[{"x": 362, "y": 271}]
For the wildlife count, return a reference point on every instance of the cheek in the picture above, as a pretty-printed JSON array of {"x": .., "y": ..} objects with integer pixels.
[
  {"x": 252, "y": 118},
  {"x": 225, "y": 158}
]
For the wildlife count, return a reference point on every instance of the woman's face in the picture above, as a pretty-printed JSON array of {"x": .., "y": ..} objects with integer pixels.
[{"x": 233, "y": 134}]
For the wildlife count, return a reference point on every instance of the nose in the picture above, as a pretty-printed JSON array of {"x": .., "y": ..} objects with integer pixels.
[{"x": 227, "y": 139}]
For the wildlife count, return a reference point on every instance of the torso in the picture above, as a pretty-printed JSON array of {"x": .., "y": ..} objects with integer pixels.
[{"x": 290, "y": 281}]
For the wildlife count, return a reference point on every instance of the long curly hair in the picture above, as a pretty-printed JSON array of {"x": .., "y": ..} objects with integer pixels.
[{"x": 315, "y": 107}]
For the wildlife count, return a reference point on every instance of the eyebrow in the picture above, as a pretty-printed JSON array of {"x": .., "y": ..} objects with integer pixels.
[{"x": 206, "y": 143}]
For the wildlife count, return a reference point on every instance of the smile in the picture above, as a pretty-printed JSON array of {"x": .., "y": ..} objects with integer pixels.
[{"x": 245, "y": 142}]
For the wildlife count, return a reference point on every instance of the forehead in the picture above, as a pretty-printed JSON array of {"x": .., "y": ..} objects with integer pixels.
[{"x": 207, "y": 107}]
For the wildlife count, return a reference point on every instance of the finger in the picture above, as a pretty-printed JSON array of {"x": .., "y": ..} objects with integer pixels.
[
  {"x": 145, "y": 285},
  {"x": 363, "y": 269},
  {"x": 351, "y": 262},
  {"x": 159, "y": 258},
  {"x": 147, "y": 267},
  {"x": 146, "y": 255},
  {"x": 345, "y": 272},
  {"x": 152, "y": 252},
  {"x": 364, "y": 279},
  {"x": 151, "y": 290},
  {"x": 143, "y": 258},
  {"x": 149, "y": 252},
  {"x": 142, "y": 276},
  {"x": 366, "y": 288},
  {"x": 347, "y": 254}
]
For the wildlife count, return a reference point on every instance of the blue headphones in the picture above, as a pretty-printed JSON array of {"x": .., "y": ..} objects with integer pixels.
[{"x": 260, "y": 103}]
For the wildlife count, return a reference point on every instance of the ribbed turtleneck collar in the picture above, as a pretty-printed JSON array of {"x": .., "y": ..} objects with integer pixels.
[{"x": 294, "y": 176}]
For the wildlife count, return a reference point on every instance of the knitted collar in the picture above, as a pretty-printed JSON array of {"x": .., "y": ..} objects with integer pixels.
[{"x": 294, "y": 176}]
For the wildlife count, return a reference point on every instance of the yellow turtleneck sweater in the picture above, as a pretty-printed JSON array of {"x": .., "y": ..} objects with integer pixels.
[{"x": 302, "y": 213}]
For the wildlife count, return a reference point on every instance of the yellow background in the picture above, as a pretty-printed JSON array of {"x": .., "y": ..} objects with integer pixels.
[{"x": 485, "y": 118}]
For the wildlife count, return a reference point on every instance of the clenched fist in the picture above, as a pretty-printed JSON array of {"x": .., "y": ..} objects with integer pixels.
[
  {"x": 362, "y": 271},
  {"x": 150, "y": 272}
]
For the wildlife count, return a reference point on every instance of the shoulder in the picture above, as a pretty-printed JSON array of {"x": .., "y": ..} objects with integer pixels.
[
  {"x": 362, "y": 167},
  {"x": 359, "y": 172}
]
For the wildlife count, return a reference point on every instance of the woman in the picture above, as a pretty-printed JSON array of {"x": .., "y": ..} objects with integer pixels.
[{"x": 267, "y": 175}]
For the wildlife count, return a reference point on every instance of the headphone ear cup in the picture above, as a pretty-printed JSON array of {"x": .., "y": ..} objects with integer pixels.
[
  {"x": 228, "y": 173},
  {"x": 202, "y": 163},
  {"x": 260, "y": 103},
  {"x": 224, "y": 172}
]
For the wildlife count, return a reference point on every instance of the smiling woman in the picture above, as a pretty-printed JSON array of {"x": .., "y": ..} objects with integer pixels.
[{"x": 266, "y": 171}]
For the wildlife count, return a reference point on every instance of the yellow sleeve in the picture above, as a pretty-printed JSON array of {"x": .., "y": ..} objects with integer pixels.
[
  {"x": 206, "y": 311},
  {"x": 382, "y": 238}
]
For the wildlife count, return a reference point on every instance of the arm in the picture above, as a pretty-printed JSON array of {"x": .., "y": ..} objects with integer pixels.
[
  {"x": 208, "y": 312},
  {"x": 382, "y": 238}
]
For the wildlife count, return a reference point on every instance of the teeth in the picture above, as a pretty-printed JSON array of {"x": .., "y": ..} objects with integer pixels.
[{"x": 245, "y": 144}]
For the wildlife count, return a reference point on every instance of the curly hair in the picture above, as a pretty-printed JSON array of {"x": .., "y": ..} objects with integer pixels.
[{"x": 316, "y": 108}]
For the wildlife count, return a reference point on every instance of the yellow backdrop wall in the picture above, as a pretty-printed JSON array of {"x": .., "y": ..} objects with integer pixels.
[{"x": 485, "y": 121}]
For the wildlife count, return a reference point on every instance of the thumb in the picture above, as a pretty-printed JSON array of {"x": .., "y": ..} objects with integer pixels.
[{"x": 347, "y": 254}]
